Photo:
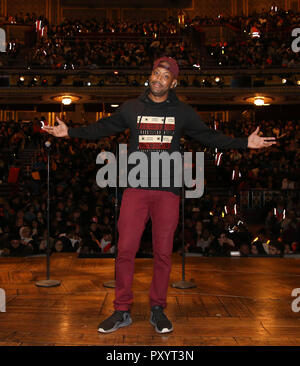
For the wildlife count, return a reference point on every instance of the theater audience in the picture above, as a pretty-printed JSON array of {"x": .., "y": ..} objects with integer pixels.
[
  {"x": 82, "y": 215},
  {"x": 260, "y": 40}
]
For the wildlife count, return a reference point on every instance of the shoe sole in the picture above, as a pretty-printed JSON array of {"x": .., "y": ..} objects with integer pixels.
[
  {"x": 165, "y": 330},
  {"x": 116, "y": 327}
]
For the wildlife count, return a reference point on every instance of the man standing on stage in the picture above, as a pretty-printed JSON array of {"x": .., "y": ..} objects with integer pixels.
[{"x": 157, "y": 120}]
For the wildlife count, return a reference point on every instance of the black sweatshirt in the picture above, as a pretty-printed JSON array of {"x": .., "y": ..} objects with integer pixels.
[{"x": 157, "y": 127}]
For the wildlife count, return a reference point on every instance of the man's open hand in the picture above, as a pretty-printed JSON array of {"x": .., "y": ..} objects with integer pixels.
[
  {"x": 58, "y": 131},
  {"x": 259, "y": 142}
]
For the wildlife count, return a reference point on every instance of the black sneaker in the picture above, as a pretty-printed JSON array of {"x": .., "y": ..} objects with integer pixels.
[
  {"x": 117, "y": 320},
  {"x": 159, "y": 320}
]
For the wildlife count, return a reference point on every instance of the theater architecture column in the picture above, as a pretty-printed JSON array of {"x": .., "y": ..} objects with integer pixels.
[
  {"x": 292, "y": 4},
  {"x": 234, "y": 10},
  {"x": 245, "y": 7},
  {"x": 48, "y": 11},
  {"x": 3, "y": 8}
]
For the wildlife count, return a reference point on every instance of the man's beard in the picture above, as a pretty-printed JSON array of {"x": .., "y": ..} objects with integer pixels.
[{"x": 158, "y": 93}]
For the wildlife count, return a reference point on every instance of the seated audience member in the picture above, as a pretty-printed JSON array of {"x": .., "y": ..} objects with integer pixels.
[
  {"x": 244, "y": 250},
  {"x": 221, "y": 245},
  {"x": 287, "y": 249},
  {"x": 94, "y": 228},
  {"x": 274, "y": 248},
  {"x": 42, "y": 247},
  {"x": 67, "y": 244},
  {"x": 26, "y": 238},
  {"x": 73, "y": 237},
  {"x": 17, "y": 249},
  {"x": 58, "y": 246},
  {"x": 257, "y": 248},
  {"x": 106, "y": 242},
  {"x": 202, "y": 244}
]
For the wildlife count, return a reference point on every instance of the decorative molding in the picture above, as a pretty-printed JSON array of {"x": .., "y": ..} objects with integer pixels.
[
  {"x": 83, "y": 13},
  {"x": 148, "y": 14},
  {"x": 16, "y": 6},
  {"x": 3, "y": 8},
  {"x": 234, "y": 10},
  {"x": 133, "y": 4}
]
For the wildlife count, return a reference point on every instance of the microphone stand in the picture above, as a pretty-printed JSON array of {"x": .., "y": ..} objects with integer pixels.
[
  {"x": 48, "y": 282},
  {"x": 112, "y": 283},
  {"x": 183, "y": 284}
]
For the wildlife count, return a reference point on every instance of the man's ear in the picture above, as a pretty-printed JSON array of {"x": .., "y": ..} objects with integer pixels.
[{"x": 174, "y": 84}]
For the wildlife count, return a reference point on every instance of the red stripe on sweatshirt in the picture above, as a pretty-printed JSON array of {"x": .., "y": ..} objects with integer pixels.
[
  {"x": 153, "y": 145},
  {"x": 155, "y": 126}
]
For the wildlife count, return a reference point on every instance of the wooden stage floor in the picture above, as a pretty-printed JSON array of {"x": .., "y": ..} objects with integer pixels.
[{"x": 238, "y": 301}]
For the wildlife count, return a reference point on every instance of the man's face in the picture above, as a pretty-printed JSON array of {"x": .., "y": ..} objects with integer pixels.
[
  {"x": 244, "y": 249},
  {"x": 273, "y": 250},
  {"x": 254, "y": 250},
  {"x": 161, "y": 80},
  {"x": 59, "y": 246},
  {"x": 15, "y": 243}
]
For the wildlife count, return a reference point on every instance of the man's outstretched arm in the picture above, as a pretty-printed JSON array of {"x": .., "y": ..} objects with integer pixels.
[
  {"x": 104, "y": 127},
  {"x": 198, "y": 130}
]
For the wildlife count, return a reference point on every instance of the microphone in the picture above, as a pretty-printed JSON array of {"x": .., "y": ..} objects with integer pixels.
[{"x": 47, "y": 144}]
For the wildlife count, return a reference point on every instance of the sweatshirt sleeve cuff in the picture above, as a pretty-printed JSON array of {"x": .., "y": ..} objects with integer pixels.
[
  {"x": 70, "y": 132},
  {"x": 245, "y": 142}
]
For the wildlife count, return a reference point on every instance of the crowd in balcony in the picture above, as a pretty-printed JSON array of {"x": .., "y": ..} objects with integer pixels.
[
  {"x": 55, "y": 53},
  {"x": 262, "y": 40},
  {"x": 83, "y": 215},
  {"x": 259, "y": 40},
  {"x": 67, "y": 46},
  {"x": 24, "y": 18}
]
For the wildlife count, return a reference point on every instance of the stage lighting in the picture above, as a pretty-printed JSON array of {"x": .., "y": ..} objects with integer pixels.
[
  {"x": 259, "y": 101},
  {"x": 283, "y": 81},
  {"x": 114, "y": 105},
  {"x": 21, "y": 81},
  {"x": 33, "y": 81},
  {"x": 219, "y": 81},
  {"x": 66, "y": 100},
  {"x": 88, "y": 83}
]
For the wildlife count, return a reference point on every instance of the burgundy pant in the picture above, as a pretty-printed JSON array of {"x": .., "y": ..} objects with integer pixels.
[{"x": 137, "y": 206}]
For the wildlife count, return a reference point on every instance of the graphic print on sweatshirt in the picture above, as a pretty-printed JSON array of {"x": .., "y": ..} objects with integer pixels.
[{"x": 155, "y": 134}]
